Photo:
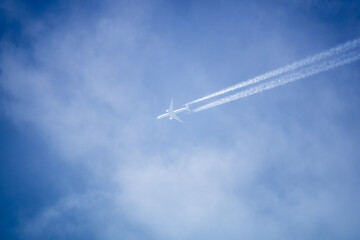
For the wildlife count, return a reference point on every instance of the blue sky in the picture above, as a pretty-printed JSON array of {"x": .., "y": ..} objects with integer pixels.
[{"x": 84, "y": 157}]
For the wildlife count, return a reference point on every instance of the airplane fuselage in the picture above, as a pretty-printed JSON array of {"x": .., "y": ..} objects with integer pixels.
[{"x": 171, "y": 113}]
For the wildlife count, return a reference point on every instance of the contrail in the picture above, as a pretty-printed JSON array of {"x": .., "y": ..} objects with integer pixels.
[
  {"x": 311, "y": 70},
  {"x": 307, "y": 61}
]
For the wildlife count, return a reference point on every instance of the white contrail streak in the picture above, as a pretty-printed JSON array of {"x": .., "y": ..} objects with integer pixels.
[
  {"x": 307, "y": 61},
  {"x": 311, "y": 70}
]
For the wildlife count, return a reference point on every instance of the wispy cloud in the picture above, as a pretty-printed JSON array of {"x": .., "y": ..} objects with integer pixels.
[{"x": 85, "y": 85}]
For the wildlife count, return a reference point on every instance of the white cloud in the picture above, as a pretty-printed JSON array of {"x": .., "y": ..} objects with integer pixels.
[{"x": 84, "y": 86}]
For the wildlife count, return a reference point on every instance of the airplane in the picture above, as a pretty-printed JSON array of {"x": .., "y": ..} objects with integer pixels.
[{"x": 172, "y": 114}]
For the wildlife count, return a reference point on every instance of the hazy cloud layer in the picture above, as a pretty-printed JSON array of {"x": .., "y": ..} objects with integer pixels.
[{"x": 282, "y": 166}]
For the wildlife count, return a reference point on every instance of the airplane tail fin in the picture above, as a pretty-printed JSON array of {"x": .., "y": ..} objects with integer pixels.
[{"x": 178, "y": 119}]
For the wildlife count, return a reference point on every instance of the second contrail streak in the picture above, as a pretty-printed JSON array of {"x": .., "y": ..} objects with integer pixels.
[
  {"x": 322, "y": 66},
  {"x": 310, "y": 61}
]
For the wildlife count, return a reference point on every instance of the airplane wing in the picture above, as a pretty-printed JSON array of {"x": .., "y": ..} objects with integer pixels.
[{"x": 176, "y": 117}]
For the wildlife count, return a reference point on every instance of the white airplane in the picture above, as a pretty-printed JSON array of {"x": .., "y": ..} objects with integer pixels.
[{"x": 172, "y": 114}]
